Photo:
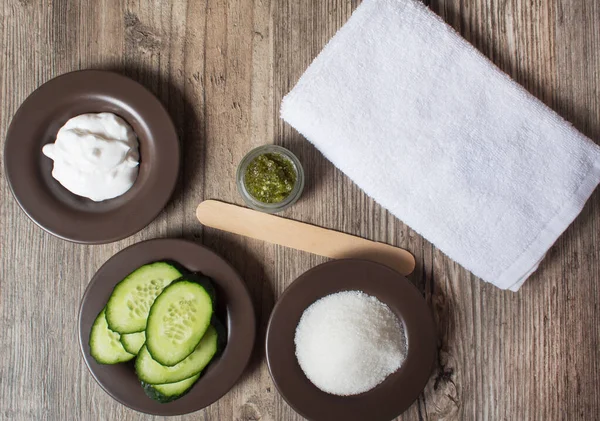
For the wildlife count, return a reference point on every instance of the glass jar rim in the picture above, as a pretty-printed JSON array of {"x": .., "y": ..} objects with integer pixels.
[{"x": 270, "y": 207}]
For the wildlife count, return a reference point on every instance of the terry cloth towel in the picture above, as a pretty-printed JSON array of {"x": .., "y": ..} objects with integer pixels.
[{"x": 435, "y": 133}]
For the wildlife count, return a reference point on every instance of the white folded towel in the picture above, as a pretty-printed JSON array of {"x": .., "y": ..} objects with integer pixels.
[{"x": 435, "y": 133}]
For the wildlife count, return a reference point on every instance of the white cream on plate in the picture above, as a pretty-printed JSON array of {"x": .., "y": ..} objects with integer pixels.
[{"x": 95, "y": 156}]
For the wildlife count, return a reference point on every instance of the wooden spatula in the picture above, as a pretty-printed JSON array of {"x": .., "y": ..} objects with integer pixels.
[{"x": 301, "y": 236}]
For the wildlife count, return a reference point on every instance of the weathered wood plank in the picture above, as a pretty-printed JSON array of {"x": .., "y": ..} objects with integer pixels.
[{"x": 221, "y": 67}]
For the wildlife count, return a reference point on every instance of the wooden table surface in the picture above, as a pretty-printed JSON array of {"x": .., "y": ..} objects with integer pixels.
[{"x": 221, "y": 67}]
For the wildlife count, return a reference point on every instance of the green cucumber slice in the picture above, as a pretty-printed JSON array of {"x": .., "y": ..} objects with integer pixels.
[
  {"x": 221, "y": 334},
  {"x": 128, "y": 306},
  {"x": 133, "y": 342},
  {"x": 164, "y": 393},
  {"x": 205, "y": 281},
  {"x": 177, "y": 321},
  {"x": 105, "y": 346},
  {"x": 150, "y": 371}
]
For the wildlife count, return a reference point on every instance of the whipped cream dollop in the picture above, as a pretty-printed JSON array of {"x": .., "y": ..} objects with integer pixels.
[{"x": 95, "y": 156}]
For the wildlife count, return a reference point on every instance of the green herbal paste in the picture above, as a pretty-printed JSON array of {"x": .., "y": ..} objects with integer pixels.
[{"x": 270, "y": 178}]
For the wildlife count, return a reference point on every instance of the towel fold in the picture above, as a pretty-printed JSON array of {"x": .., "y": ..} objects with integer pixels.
[{"x": 438, "y": 135}]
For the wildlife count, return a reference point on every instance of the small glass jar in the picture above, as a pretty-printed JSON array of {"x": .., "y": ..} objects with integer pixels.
[{"x": 290, "y": 199}]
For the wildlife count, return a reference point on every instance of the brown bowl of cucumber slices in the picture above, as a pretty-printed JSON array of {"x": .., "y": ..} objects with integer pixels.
[{"x": 166, "y": 327}]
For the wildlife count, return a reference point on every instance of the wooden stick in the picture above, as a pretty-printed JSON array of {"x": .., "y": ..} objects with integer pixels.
[{"x": 300, "y": 235}]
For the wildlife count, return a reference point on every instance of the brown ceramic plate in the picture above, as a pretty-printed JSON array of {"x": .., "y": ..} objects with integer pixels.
[
  {"x": 47, "y": 202},
  {"x": 396, "y": 393},
  {"x": 234, "y": 309}
]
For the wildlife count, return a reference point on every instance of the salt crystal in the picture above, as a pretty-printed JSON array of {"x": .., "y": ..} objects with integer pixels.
[{"x": 349, "y": 342}]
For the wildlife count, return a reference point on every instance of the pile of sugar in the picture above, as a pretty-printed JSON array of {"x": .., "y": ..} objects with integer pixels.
[{"x": 349, "y": 342}]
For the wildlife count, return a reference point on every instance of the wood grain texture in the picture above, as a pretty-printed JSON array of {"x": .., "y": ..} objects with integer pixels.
[{"x": 221, "y": 67}]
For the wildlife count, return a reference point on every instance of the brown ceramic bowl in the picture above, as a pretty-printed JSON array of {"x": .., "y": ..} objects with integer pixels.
[
  {"x": 47, "y": 202},
  {"x": 399, "y": 390},
  {"x": 234, "y": 309}
]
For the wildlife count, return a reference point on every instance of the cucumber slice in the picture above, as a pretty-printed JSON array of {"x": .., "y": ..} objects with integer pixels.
[
  {"x": 149, "y": 371},
  {"x": 128, "y": 306},
  {"x": 105, "y": 346},
  {"x": 133, "y": 342},
  {"x": 164, "y": 393},
  {"x": 221, "y": 334},
  {"x": 177, "y": 321},
  {"x": 205, "y": 281}
]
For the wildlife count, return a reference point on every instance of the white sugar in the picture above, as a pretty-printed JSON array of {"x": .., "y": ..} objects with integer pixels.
[{"x": 349, "y": 342}]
